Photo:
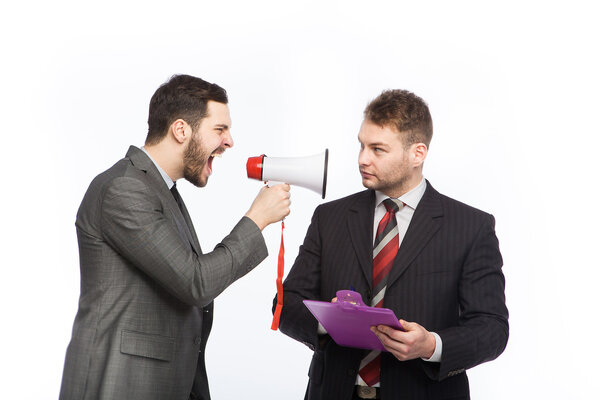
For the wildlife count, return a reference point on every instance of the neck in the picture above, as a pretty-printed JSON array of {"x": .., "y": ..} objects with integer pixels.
[
  {"x": 406, "y": 186},
  {"x": 163, "y": 153}
]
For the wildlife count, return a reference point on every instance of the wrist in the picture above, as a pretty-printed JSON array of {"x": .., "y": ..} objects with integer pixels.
[
  {"x": 437, "y": 353},
  {"x": 258, "y": 221},
  {"x": 431, "y": 344}
]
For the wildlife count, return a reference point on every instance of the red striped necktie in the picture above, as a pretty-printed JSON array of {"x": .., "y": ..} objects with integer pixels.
[{"x": 385, "y": 249}]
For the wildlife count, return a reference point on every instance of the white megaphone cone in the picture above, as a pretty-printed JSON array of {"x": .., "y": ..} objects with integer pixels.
[{"x": 309, "y": 172}]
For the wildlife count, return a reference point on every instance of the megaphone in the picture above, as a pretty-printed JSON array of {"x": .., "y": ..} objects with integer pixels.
[{"x": 309, "y": 172}]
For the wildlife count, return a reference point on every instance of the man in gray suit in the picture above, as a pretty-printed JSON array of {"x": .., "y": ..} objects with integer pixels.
[
  {"x": 147, "y": 290},
  {"x": 402, "y": 245}
]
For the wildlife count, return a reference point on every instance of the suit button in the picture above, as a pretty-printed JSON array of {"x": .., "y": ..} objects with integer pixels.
[
  {"x": 351, "y": 372},
  {"x": 197, "y": 340}
]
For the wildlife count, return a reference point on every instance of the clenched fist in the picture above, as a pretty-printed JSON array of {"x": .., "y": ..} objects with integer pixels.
[{"x": 272, "y": 204}]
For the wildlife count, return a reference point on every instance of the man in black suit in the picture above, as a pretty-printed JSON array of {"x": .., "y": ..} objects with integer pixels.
[{"x": 443, "y": 274}]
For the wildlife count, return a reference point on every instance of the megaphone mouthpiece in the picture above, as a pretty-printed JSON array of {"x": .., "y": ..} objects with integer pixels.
[{"x": 254, "y": 167}]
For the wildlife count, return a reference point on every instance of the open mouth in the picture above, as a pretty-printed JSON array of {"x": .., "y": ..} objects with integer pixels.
[{"x": 217, "y": 153}]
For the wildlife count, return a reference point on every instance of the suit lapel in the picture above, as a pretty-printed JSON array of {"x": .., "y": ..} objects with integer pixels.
[
  {"x": 360, "y": 227},
  {"x": 425, "y": 222},
  {"x": 182, "y": 220}
]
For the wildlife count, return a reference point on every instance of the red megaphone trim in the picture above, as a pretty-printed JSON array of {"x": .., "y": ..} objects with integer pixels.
[{"x": 254, "y": 167}]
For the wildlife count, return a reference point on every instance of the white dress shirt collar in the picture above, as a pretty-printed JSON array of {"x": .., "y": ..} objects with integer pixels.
[
  {"x": 410, "y": 198},
  {"x": 164, "y": 175}
]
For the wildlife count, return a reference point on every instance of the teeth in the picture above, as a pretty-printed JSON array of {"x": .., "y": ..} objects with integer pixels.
[{"x": 216, "y": 155}]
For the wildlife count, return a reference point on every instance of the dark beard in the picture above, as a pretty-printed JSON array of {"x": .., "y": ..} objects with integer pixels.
[{"x": 195, "y": 158}]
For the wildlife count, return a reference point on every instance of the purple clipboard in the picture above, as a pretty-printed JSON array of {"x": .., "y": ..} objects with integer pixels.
[{"x": 349, "y": 320}]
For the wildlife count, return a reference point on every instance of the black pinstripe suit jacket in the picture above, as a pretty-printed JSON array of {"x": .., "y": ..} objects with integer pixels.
[{"x": 447, "y": 277}]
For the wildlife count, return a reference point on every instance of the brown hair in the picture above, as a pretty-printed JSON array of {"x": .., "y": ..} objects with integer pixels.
[
  {"x": 182, "y": 96},
  {"x": 403, "y": 111}
]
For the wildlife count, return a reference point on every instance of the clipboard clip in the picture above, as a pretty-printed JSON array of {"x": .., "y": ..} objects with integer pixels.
[{"x": 349, "y": 299}]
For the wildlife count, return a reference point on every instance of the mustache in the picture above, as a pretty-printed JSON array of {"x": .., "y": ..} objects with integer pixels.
[{"x": 219, "y": 151}]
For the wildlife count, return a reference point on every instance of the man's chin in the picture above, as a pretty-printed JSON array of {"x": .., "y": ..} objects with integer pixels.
[
  {"x": 369, "y": 184},
  {"x": 198, "y": 181},
  {"x": 199, "y": 184}
]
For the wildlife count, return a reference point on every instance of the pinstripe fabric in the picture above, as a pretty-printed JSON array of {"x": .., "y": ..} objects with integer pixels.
[
  {"x": 447, "y": 277},
  {"x": 145, "y": 309}
]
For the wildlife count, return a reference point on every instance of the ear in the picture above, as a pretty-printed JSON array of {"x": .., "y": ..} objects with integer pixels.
[
  {"x": 180, "y": 131},
  {"x": 419, "y": 153}
]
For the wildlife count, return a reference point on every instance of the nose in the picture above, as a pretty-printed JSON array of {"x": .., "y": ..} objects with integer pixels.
[
  {"x": 363, "y": 157},
  {"x": 228, "y": 140}
]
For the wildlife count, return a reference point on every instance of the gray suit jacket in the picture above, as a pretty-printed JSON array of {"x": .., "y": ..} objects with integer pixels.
[{"x": 145, "y": 309}]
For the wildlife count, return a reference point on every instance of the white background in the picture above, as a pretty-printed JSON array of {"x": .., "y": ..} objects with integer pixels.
[{"x": 513, "y": 89}]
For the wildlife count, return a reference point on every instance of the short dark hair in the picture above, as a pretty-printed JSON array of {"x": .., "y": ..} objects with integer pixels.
[
  {"x": 404, "y": 111},
  {"x": 182, "y": 96}
]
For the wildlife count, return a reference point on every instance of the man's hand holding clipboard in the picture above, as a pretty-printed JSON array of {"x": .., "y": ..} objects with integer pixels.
[
  {"x": 348, "y": 320},
  {"x": 351, "y": 323},
  {"x": 409, "y": 343}
]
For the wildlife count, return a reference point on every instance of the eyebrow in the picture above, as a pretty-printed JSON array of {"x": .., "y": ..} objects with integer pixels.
[
  {"x": 375, "y": 144},
  {"x": 370, "y": 144},
  {"x": 224, "y": 126}
]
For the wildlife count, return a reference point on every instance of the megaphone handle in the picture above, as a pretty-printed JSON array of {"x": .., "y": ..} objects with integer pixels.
[
  {"x": 273, "y": 183},
  {"x": 279, "y": 281}
]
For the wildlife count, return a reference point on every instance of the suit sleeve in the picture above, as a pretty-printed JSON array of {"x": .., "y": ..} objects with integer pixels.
[
  {"x": 133, "y": 223},
  {"x": 482, "y": 331},
  {"x": 303, "y": 282}
]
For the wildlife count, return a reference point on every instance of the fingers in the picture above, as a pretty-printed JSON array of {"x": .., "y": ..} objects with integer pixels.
[
  {"x": 272, "y": 204},
  {"x": 397, "y": 348},
  {"x": 405, "y": 345},
  {"x": 284, "y": 190},
  {"x": 393, "y": 332},
  {"x": 281, "y": 186},
  {"x": 386, "y": 335},
  {"x": 287, "y": 194}
]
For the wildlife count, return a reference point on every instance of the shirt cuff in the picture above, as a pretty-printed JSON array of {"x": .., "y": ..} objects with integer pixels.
[
  {"x": 437, "y": 353},
  {"x": 321, "y": 330}
]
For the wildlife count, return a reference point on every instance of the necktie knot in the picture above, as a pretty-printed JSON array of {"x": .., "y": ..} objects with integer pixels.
[{"x": 392, "y": 205}]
